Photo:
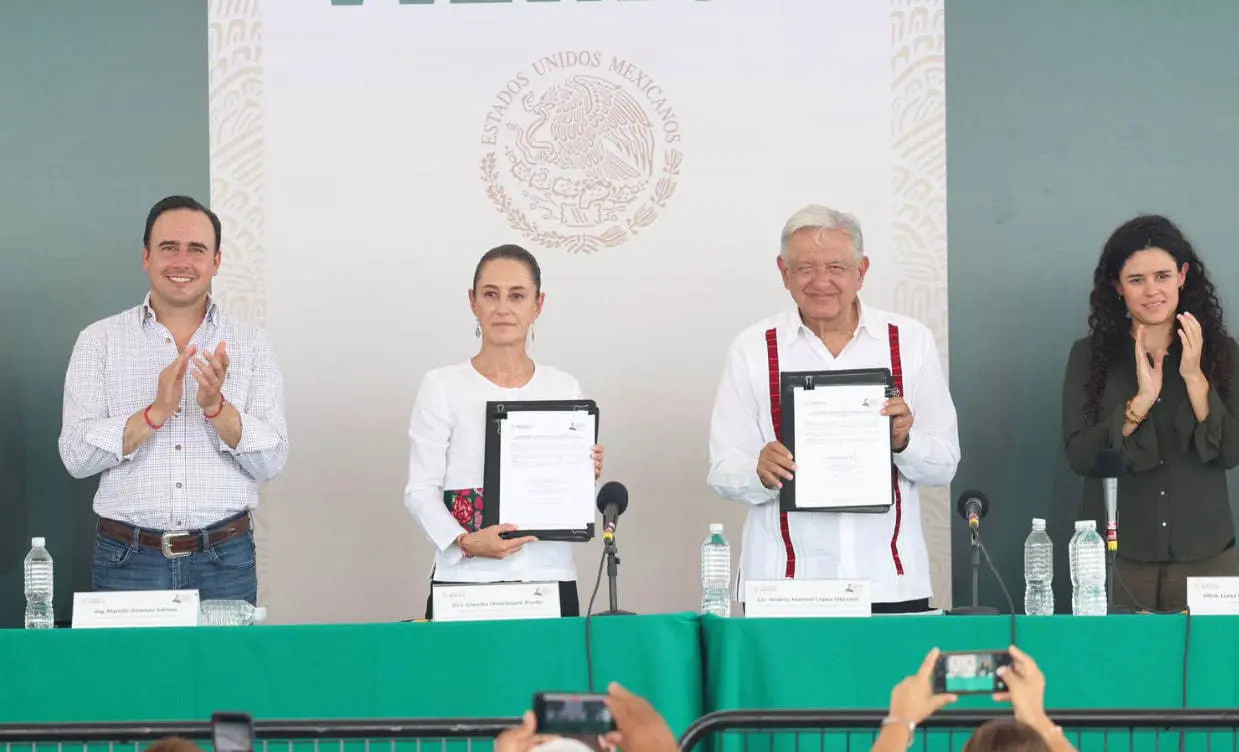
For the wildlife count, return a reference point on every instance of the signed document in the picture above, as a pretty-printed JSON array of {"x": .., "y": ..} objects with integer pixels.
[
  {"x": 546, "y": 469},
  {"x": 842, "y": 447}
]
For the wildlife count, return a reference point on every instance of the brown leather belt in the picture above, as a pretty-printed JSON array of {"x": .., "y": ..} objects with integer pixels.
[{"x": 175, "y": 543}]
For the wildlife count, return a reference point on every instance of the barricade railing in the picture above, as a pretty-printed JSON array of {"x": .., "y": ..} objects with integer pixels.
[
  {"x": 353, "y": 735},
  {"x": 1201, "y": 730},
  {"x": 1206, "y": 730}
]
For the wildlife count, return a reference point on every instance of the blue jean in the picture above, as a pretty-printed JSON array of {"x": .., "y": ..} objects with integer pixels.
[{"x": 226, "y": 571}]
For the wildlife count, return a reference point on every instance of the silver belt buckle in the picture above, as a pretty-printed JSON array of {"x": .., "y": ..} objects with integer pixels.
[{"x": 166, "y": 543}]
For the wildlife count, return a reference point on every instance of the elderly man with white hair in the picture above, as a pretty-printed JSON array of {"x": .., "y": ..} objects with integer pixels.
[{"x": 823, "y": 265}]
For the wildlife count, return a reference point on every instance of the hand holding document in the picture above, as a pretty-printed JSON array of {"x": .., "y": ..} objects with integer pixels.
[
  {"x": 546, "y": 469},
  {"x": 842, "y": 447}
]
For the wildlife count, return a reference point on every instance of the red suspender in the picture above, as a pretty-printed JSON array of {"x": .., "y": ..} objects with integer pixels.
[
  {"x": 896, "y": 371},
  {"x": 776, "y": 415}
]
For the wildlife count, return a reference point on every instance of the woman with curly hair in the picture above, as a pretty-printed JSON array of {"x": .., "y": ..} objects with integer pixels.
[
  {"x": 1154, "y": 380},
  {"x": 448, "y": 445}
]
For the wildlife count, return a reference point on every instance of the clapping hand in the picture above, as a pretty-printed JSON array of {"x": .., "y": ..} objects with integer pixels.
[
  {"x": 1193, "y": 339},
  {"x": 210, "y": 371},
  {"x": 171, "y": 387},
  {"x": 1148, "y": 373}
]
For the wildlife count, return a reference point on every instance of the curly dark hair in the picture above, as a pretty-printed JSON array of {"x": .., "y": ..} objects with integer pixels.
[{"x": 1109, "y": 329}]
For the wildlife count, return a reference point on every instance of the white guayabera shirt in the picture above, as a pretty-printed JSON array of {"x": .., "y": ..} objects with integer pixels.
[{"x": 886, "y": 549}]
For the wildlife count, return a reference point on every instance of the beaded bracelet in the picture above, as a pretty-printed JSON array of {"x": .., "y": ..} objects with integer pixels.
[
  {"x": 146, "y": 415},
  {"x": 222, "y": 402}
]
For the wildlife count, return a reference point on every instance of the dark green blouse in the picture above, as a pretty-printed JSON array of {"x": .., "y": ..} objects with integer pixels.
[{"x": 1173, "y": 504}]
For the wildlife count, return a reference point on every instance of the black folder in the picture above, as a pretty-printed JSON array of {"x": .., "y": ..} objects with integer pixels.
[
  {"x": 496, "y": 414},
  {"x": 789, "y": 382}
]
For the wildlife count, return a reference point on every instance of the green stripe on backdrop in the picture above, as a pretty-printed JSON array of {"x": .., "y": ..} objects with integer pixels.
[
  {"x": 105, "y": 112},
  {"x": 1046, "y": 155}
]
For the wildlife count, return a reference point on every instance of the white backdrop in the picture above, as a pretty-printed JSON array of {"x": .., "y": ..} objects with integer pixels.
[{"x": 350, "y": 165}]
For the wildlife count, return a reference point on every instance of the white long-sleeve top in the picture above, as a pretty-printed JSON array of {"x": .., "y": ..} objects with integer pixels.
[
  {"x": 447, "y": 432},
  {"x": 825, "y": 545}
]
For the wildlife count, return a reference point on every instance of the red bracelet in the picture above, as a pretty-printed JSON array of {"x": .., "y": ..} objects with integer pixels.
[
  {"x": 146, "y": 415},
  {"x": 217, "y": 412}
]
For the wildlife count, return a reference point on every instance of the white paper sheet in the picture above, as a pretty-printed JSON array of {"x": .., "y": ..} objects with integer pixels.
[
  {"x": 842, "y": 447},
  {"x": 546, "y": 469}
]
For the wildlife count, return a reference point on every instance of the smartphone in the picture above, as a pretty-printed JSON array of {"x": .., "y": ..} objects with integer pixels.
[
  {"x": 970, "y": 673},
  {"x": 232, "y": 732},
  {"x": 572, "y": 714}
]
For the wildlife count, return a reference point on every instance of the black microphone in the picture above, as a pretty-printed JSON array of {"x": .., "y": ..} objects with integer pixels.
[
  {"x": 1109, "y": 467},
  {"x": 972, "y": 506},
  {"x": 612, "y": 501}
]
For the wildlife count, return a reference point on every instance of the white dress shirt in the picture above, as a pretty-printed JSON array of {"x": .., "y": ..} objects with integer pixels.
[
  {"x": 448, "y": 452},
  {"x": 833, "y": 545},
  {"x": 184, "y": 477}
]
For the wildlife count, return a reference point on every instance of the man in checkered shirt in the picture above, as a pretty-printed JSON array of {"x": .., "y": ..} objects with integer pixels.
[{"x": 179, "y": 408}]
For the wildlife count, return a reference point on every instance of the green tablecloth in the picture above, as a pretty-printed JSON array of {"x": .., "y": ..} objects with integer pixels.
[
  {"x": 492, "y": 669},
  {"x": 1090, "y": 662},
  {"x": 420, "y": 670}
]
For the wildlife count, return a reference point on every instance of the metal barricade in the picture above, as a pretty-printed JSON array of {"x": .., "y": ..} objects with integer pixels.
[
  {"x": 398, "y": 735},
  {"x": 948, "y": 731}
]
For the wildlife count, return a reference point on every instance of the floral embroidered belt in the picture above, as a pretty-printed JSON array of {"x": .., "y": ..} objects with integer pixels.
[{"x": 465, "y": 504}]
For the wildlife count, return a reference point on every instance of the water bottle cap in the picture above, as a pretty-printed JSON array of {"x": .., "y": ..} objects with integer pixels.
[
  {"x": 260, "y": 613},
  {"x": 716, "y": 527},
  {"x": 38, "y": 543},
  {"x": 1081, "y": 524},
  {"x": 1038, "y": 523}
]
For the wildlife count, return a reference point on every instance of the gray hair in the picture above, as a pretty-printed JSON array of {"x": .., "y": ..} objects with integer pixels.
[{"x": 818, "y": 217}]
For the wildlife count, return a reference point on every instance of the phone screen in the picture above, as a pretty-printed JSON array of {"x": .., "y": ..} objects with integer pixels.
[
  {"x": 232, "y": 732},
  {"x": 967, "y": 673},
  {"x": 572, "y": 714}
]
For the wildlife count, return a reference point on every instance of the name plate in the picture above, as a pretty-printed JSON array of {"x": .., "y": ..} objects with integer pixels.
[
  {"x": 1213, "y": 596},
  {"x": 135, "y": 608},
  {"x": 807, "y": 598},
  {"x": 496, "y": 601}
]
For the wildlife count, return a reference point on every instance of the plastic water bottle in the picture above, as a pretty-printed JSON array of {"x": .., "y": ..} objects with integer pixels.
[
  {"x": 1038, "y": 571},
  {"x": 1071, "y": 565},
  {"x": 220, "y": 613},
  {"x": 716, "y": 573},
  {"x": 39, "y": 586},
  {"x": 1088, "y": 564}
]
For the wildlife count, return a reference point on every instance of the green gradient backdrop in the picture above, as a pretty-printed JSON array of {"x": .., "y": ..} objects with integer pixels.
[
  {"x": 104, "y": 111},
  {"x": 1062, "y": 120}
]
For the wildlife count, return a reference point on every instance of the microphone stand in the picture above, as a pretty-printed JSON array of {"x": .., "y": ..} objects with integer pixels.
[
  {"x": 974, "y": 609},
  {"x": 613, "y": 560},
  {"x": 1112, "y": 552}
]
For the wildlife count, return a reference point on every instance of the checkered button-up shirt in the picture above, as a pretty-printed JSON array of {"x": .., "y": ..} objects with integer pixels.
[{"x": 183, "y": 477}]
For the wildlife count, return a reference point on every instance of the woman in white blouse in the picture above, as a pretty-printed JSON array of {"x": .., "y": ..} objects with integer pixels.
[{"x": 447, "y": 431}]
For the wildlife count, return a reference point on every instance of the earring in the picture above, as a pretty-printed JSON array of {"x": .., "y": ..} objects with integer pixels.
[
  {"x": 533, "y": 335},
  {"x": 477, "y": 330}
]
